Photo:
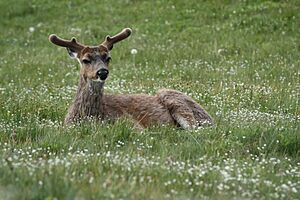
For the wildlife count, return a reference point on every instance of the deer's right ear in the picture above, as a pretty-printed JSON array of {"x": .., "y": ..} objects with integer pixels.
[{"x": 72, "y": 53}]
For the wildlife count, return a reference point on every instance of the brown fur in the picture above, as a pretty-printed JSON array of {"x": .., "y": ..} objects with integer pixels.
[{"x": 166, "y": 107}]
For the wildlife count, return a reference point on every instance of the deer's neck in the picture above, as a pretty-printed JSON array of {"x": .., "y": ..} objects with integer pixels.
[{"x": 88, "y": 101}]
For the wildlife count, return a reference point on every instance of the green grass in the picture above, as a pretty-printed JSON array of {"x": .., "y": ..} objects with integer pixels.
[{"x": 239, "y": 59}]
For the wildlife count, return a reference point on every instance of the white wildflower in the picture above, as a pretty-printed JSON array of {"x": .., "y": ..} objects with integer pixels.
[
  {"x": 133, "y": 51},
  {"x": 31, "y": 29}
]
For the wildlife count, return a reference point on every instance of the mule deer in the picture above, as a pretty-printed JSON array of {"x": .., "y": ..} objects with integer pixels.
[{"x": 166, "y": 107}]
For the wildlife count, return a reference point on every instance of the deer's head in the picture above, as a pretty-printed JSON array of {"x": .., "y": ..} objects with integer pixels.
[{"x": 94, "y": 60}]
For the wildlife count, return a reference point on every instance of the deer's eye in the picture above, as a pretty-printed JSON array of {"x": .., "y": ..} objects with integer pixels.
[
  {"x": 108, "y": 59},
  {"x": 86, "y": 61}
]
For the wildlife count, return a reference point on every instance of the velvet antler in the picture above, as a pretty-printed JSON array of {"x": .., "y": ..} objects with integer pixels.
[
  {"x": 110, "y": 41},
  {"x": 72, "y": 44}
]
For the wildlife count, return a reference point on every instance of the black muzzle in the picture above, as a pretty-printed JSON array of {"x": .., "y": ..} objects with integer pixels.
[{"x": 102, "y": 74}]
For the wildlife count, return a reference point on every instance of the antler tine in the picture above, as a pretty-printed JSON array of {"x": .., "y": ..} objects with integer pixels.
[
  {"x": 110, "y": 41},
  {"x": 72, "y": 44}
]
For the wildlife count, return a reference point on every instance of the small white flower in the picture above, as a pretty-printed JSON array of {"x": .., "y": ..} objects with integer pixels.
[
  {"x": 220, "y": 51},
  {"x": 31, "y": 29},
  {"x": 91, "y": 180},
  {"x": 133, "y": 51}
]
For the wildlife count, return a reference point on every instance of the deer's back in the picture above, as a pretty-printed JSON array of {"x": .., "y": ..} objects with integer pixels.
[{"x": 144, "y": 109}]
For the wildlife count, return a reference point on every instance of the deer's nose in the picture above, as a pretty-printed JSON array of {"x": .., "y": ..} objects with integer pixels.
[{"x": 102, "y": 74}]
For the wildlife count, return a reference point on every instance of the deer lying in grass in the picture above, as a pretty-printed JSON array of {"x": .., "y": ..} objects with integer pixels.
[{"x": 166, "y": 107}]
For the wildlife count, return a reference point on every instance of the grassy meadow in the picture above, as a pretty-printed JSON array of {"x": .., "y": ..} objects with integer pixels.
[{"x": 239, "y": 59}]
